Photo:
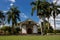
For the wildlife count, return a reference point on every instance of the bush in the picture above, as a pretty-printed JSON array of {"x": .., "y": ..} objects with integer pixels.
[
  {"x": 57, "y": 31},
  {"x": 48, "y": 31},
  {"x": 16, "y": 30},
  {"x": 39, "y": 31},
  {"x": 6, "y": 28}
]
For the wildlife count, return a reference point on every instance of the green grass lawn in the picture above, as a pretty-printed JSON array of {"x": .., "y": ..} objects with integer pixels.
[{"x": 51, "y": 37}]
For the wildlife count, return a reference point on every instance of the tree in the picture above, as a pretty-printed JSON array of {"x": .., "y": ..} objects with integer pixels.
[
  {"x": 37, "y": 7},
  {"x": 56, "y": 11},
  {"x": 41, "y": 7},
  {"x": 2, "y": 16},
  {"x": 48, "y": 14},
  {"x": 13, "y": 16}
]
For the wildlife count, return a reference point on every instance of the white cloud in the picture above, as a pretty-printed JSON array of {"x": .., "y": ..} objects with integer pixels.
[
  {"x": 5, "y": 11},
  {"x": 13, "y": 1},
  {"x": 11, "y": 4},
  {"x": 58, "y": 2},
  {"x": 23, "y": 15},
  {"x": 57, "y": 21},
  {"x": 54, "y": 1}
]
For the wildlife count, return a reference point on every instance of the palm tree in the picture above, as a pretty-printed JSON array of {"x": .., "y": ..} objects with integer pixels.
[
  {"x": 37, "y": 7},
  {"x": 2, "y": 16},
  {"x": 13, "y": 16},
  {"x": 48, "y": 14},
  {"x": 56, "y": 11},
  {"x": 41, "y": 8},
  {"x": 47, "y": 11}
]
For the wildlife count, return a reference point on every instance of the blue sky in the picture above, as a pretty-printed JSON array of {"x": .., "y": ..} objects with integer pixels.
[{"x": 23, "y": 5}]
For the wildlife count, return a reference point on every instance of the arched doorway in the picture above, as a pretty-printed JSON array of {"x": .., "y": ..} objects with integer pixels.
[{"x": 29, "y": 31}]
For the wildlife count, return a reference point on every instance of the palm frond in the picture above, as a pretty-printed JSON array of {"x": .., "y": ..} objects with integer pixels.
[
  {"x": 33, "y": 3},
  {"x": 33, "y": 9}
]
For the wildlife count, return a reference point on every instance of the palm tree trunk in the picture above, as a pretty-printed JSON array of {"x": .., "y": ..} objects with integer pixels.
[
  {"x": 48, "y": 25},
  {"x": 41, "y": 25},
  {"x": 41, "y": 28},
  {"x": 54, "y": 26},
  {"x": 44, "y": 25},
  {"x": 12, "y": 28}
]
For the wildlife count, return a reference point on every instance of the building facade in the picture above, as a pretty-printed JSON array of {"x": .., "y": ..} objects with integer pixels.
[{"x": 28, "y": 27}]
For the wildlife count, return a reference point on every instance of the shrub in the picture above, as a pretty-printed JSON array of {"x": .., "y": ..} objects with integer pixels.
[
  {"x": 6, "y": 28},
  {"x": 39, "y": 30},
  {"x": 16, "y": 30},
  {"x": 57, "y": 31}
]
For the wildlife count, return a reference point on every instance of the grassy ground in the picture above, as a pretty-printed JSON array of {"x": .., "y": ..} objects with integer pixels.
[{"x": 51, "y": 37}]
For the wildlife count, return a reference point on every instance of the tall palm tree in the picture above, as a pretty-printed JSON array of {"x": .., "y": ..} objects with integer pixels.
[
  {"x": 13, "y": 16},
  {"x": 36, "y": 6},
  {"x": 56, "y": 11},
  {"x": 47, "y": 11},
  {"x": 2, "y": 16},
  {"x": 41, "y": 8},
  {"x": 48, "y": 15}
]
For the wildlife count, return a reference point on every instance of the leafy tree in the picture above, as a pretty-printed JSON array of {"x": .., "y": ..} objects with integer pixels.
[
  {"x": 48, "y": 14},
  {"x": 37, "y": 6},
  {"x": 13, "y": 16},
  {"x": 41, "y": 6},
  {"x": 2, "y": 17}
]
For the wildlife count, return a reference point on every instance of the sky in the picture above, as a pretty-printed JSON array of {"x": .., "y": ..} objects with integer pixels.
[
  {"x": 57, "y": 17},
  {"x": 24, "y": 6}
]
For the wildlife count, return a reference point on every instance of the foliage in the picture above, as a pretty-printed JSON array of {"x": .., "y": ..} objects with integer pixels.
[
  {"x": 13, "y": 16},
  {"x": 6, "y": 29},
  {"x": 43, "y": 10},
  {"x": 17, "y": 30},
  {"x": 50, "y": 30},
  {"x": 39, "y": 30},
  {"x": 57, "y": 31},
  {"x": 2, "y": 17}
]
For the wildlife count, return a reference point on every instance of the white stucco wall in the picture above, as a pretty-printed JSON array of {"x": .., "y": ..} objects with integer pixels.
[
  {"x": 24, "y": 30},
  {"x": 35, "y": 29}
]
